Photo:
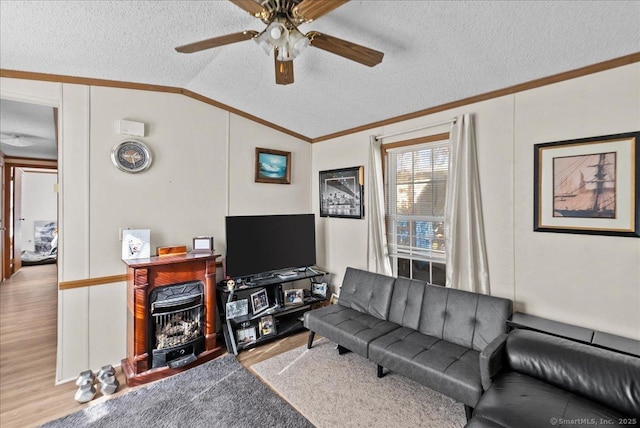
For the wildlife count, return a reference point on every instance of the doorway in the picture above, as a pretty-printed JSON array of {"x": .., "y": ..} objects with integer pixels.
[
  {"x": 31, "y": 210},
  {"x": 29, "y": 148}
]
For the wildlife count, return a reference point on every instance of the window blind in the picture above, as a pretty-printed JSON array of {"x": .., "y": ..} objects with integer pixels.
[{"x": 416, "y": 182}]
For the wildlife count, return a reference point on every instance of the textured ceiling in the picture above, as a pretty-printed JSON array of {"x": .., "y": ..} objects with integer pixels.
[
  {"x": 435, "y": 51},
  {"x": 34, "y": 124}
]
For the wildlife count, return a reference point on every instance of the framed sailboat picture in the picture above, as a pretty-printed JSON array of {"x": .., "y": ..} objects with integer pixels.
[{"x": 588, "y": 186}]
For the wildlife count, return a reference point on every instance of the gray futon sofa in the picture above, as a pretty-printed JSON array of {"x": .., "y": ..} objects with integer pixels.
[{"x": 428, "y": 333}]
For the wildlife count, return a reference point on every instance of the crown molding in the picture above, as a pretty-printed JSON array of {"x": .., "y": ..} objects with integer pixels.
[
  {"x": 29, "y": 75},
  {"x": 567, "y": 75},
  {"x": 560, "y": 77}
]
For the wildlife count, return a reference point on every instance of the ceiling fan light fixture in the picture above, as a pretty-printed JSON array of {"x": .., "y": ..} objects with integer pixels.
[
  {"x": 297, "y": 42},
  {"x": 287, "y": 43},
  {"x": 278, "y": 34},
  {"x": 283, "y": 53},
  {"x": 262, "y": 40},
  {"x": 16, "y": 141}
]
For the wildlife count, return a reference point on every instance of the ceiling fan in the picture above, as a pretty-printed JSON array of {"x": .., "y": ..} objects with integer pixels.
[
  {"x": 15, "y": 140},
  {"x": 282, "y": 37}
]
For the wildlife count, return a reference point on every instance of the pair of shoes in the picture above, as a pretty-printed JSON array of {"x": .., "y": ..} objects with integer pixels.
[{"x": 86, "y": 383}]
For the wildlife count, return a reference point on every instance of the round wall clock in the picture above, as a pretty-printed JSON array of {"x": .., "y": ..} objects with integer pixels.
[{"x": 131, "y": 156}]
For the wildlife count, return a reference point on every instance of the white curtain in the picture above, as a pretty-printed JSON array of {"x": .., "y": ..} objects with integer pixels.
[
  {"x": 466, "y": 253},
  {"x": 377, "y": 251}
]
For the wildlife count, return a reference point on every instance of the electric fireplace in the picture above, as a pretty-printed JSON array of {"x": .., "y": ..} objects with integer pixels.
[{"x": 171, "y": 324}]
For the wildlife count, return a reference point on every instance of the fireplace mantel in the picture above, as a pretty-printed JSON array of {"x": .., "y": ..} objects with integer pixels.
[{"x": 144, "y": 275}]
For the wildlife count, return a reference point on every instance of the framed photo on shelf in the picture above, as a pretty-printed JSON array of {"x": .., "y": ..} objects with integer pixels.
[
  {"x": 341, "y": 192},
  {"x": 273, "y": 166},
  {"x": 294, "y": 296},
  {"x": 588, "y": 186},
  {"x": 259, "y": 301},
  {"x": 203, "y": 244},
  {"x": 319, "y": 289},
  {"x": 267, "y": 326},
  {"x": 237, "y": 308},
  {"x": 136, "y": 244},
  {"x": 246, "y": 335}
]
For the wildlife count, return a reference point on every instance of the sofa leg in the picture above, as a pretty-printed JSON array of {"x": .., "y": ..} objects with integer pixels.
[
  {"x": 342, "y": 350},
  {"x": 310, "y": 341},
  {"x": 468, "y": 412},
  {"x": 380, "y": 371}
]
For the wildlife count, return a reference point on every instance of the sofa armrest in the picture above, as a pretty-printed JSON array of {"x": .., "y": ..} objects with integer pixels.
[{"x": 491, "y": 360}]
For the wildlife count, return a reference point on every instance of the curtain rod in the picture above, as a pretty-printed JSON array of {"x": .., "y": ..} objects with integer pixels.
[{"x": 444, "y": 122}]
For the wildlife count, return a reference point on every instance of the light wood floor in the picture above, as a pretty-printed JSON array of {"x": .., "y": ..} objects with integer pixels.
[{"x": 28, "y": 328}]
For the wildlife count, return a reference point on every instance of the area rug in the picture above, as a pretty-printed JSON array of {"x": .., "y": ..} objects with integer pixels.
[
  {"x": 333, "y": 390},
  {"x": 219, "y": 393}
]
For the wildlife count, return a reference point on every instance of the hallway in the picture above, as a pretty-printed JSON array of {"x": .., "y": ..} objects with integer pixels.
[{"x": 28, "y": 337}]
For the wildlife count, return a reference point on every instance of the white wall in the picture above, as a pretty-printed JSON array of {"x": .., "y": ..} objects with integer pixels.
[
  {"x": 246, "y": 197},
  {"x": 39, "y": 203},
  {"x": 592, "y": 281},
  {"x": 204, "y": 169},
  {"x": 179, "y": 197},
  {"x": 184, "y": 194},
  {"x": 340, "y": 242}
]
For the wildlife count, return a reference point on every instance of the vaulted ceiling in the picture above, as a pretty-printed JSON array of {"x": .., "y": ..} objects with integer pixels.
[{"x": 435, "y": 52}]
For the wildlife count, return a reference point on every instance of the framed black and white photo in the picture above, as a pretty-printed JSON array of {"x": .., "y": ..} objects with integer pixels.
[
  {"x": 267, "y": 326},
  {"x": 237, "y": 308},
  {"x": 246, "y": 335},
  {"x": 319, "y": 289},
  {"x": 259, "y": 301},
  {"x": 294, "y": 296},
  {"x": 341, "y": 192},
  {"x": 588, "y": 186}
]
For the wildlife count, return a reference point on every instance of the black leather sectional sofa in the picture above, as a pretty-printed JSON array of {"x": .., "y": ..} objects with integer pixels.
[
  {"x": 535, "y": 380},
  {"x": 431, "y": 334}
]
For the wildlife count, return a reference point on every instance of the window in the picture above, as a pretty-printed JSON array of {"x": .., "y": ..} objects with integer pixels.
[{"x": 415, "y": 189}]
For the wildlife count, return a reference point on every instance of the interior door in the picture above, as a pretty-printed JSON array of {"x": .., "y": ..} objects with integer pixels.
[
  {"x": 17, "y": 219},
  {"x": 2, "y": 219}
]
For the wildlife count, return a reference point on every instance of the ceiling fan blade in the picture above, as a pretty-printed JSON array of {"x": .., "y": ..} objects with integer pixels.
[
  {"x": 255, "y": 9},
  {"x": 217, "y": 41},
  {"x": 308, "y": 10},
  {"x": 284, "y": 70},
  {"x": 349, "y": 50}
]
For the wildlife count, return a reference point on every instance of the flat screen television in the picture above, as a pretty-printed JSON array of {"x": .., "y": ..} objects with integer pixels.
[{"x": 266, "y": 243}]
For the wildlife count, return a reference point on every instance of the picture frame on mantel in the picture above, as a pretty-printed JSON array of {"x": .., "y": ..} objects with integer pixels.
[
  {"x": 588, "y": 185},
  {"x": 273, "y": 166},
  {"x": 342, "y": 192}
]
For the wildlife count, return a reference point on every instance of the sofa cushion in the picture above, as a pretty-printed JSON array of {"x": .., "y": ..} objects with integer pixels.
[
  {"x": 600, "y": 375},
  {"x": 478, "y": 422},
  {"x": 468, "y": 319},
  {"x": 406, "y": 302},
  {"x": 347, "y": 327},
  {"x": 367, "y": 292},
  {"x": 520, "y": 401},
  {"x": 443, "y": 366}
]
